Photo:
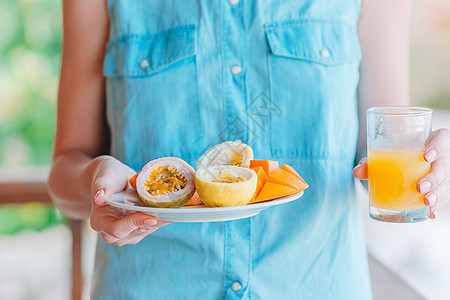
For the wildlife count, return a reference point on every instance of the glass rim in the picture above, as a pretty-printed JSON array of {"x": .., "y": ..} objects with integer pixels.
[{"x": 400, "y": 111}]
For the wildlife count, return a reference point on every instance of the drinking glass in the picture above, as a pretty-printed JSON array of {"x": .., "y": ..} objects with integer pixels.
[{"x": 396, "y": 139}]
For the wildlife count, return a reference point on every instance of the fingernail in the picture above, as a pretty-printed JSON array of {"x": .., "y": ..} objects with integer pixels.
[
  {"x": 430, "y": 155},
  {"x": 433, "y": 215},
  {"x": 425, "y": 186},
  {"x": 99, "y": 194},
  {"x": 362, "y": 161},
  {"x": 149, "y": 222},
  {"x": 431, "y": 199}
]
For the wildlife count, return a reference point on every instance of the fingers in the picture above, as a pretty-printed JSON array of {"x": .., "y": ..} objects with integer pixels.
[
  {"x": 433, "y": 214},
  {"x": 136, "y": 236},
  {"x": 439, "y": 171},
  {"x": 105, "y": 184},
  {"x": 133, "y": 237},
  {"x": 102, "y": 189},
  {"x": 361, "y": 171},
  {"x": 436, "y": 183},
  {"x": 120, "y": 227},
  {"x": 111, "y": 176},
  {"x": 108, "y": 238},
  {"x": 437, "y": 144},
  {"x": 437, "y": 198},
  {"x": 99, "y": 197},
  {"x": 435, "y": 209}
]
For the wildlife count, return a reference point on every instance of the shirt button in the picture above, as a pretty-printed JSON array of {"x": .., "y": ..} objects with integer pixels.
[
  {"x": 325, "y": 53},
  {"x": 236, "y": 69},
  {"x": 234, "y": 2},
  {"x": 144, "y": 64},
  {"x": 236, "y": 286}
]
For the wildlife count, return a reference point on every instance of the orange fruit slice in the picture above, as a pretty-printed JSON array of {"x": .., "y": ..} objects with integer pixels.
[
  {"x": 259, "y": 186},
  {"x": 280, "y": 176},
  {"x": 262, "y": 176},
  {"x": 195, "y": 200},
  {"x": 291, "y": 170},
  {"x": 132, "y": 180},
  {"x": 273, "y": 190},
  {"x": 268, "y": 165}
]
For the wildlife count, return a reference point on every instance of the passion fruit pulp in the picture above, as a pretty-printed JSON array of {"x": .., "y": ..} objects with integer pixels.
[
  {"x": 163, "y": 180},
  {"x": 166, "y": 182}
]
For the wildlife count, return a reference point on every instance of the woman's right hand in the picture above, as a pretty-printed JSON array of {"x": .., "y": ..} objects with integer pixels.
[
  {"x": 111, "y": 176},
  {"x": 81, "y": 181}
]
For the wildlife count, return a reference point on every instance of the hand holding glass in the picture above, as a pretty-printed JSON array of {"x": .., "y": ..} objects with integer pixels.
[{"x": 396, "y": 139}]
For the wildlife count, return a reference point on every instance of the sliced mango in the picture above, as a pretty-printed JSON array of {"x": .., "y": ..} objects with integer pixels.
[
  {"x": 262, "y": 176},
  {"x": 273, "y": 190},
  {"x": 268, "y": 165},
  {"x": 280, "y": 176},
  {"x": 291, "y": 170},
  {"x": 195, "y": 200},
  {"x": 259, "y": 186},
  {"x": 132, "y": 180}
]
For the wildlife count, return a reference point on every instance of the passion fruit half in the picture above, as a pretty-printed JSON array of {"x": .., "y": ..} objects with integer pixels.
[
  {"x": 166, "y": 182},
  {"x": 231, "y": 153},
  {"x": 220, "y": 186}
]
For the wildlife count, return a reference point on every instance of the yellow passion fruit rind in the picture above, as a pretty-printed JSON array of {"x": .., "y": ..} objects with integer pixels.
[
  {"x": 220, "y": 186},
  {"x": 231, "y": 153}
]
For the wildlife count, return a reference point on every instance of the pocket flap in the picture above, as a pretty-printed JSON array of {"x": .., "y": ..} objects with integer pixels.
[
  {"x": 323, "y": 42},
  {"x": 141, "y": 55}
]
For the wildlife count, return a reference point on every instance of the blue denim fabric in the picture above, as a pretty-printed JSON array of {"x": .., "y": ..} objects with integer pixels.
[{"x": 171, "y": 92}]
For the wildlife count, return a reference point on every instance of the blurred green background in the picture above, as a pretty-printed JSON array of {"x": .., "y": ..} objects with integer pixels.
[{"x": 30, "y": 44}]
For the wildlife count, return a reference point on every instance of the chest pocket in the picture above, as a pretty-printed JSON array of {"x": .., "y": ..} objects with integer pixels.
[
  {"x": 152, "y": 95},
  {"x": 143, "y": 55},
  {"x": 314, "y": 72}
]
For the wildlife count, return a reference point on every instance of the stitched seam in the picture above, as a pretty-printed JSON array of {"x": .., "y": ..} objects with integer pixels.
[
  {"x": 300, "y": 157},
  {"x": 225, "y": 261},
  {"x": 225, "y": 224},
  {"x": 309, "y": 58},
  {"x": 146, "y": 37},
  {"x": 294, "y": 22},
  {"x": 271, "y": 89},
  {"x": 199, "y": 95},
  {"x": 247, "y": 292},
  {"x": 149, "y": 71}
]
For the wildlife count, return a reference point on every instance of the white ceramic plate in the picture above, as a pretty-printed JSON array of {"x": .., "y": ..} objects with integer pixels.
[{"x": 130, "y": 201}]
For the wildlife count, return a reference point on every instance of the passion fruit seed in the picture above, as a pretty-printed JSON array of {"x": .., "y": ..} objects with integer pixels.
[
  {"x": 228, "y": 178},
  {"x": 164, "y": 179}
]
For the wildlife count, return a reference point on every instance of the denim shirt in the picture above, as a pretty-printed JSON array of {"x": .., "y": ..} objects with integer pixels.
[{"x": 281, "y": 76}]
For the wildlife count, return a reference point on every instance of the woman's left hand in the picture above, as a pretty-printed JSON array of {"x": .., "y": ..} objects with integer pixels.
[{"x": 435, "y": 184}]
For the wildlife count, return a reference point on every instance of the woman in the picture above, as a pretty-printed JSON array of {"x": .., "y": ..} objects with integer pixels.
[{"x": 146, "y": 79}]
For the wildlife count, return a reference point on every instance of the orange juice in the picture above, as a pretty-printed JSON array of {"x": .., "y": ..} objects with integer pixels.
[{"x": 393, "y": 178}]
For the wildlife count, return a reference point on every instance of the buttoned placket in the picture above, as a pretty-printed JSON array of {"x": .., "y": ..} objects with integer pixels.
[{"x": 233, "y": 49}]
